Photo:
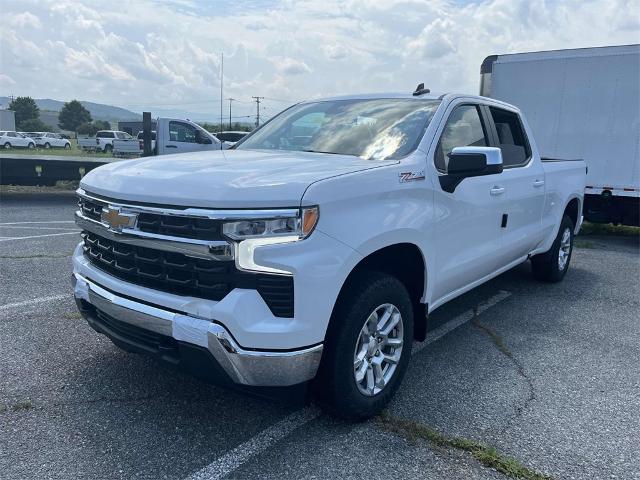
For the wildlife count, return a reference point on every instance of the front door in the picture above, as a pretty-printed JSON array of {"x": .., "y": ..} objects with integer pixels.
[{"x": 468, "y": 221}]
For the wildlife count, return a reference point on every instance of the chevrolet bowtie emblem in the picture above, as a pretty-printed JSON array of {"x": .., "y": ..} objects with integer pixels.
[{"x": 116, "y": 220}]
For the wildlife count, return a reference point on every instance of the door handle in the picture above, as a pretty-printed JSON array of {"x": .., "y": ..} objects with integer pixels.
[
  {"x": 538, "y": 183},
  {"x": 497, "y": 190},
  {"x": 171, "y": 146}
]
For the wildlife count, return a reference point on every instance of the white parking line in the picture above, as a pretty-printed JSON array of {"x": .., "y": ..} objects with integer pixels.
[
  {"x": 38, "y": 236},
  {"x": 232, "y": 460},
  {"x": 27, "y": 303},
  {"x": 47, "y": 221},
  {"x": 258, "y": 444}
]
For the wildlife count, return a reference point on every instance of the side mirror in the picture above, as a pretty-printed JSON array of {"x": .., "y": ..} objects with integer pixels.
[{"x": 467, "y": 162}]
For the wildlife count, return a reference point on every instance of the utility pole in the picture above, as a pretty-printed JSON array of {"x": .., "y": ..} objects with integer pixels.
[
  {"x": 221, "y": 82},
  {"x": 258, "y": 110},
  {"x": 230, "y": 100}
]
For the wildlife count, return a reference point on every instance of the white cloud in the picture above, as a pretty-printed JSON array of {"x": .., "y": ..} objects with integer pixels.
[
  {"x": 6, "y": 80},
  {"x": 22, "y": 20},
  {"x": 146, "y": 52},
  {"x": 291, "y": 66}
]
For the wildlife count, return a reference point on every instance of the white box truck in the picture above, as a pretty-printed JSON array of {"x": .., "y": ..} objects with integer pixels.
[{"x": 581, "y": 103}]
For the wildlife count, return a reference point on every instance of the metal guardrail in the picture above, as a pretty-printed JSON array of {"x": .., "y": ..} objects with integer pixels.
[{"x": 45, "y": 169}]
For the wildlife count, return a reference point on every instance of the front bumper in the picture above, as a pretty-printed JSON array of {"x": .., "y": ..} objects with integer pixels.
[{"x": 105, "y": 310}]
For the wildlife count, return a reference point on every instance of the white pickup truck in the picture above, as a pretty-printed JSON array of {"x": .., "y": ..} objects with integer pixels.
[
  {"x": 316, "y": 248},
  {"x": 171, "y": 136},
  {"x": 103, "y": 141}
]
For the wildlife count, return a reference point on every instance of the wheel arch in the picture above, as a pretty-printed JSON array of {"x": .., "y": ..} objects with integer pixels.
[
  {"x": 572, "y": 209},
  {"x": 406, "y": 262}
]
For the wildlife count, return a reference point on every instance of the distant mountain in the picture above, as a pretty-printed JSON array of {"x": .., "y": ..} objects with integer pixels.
[{"x": 98, "y": 111}]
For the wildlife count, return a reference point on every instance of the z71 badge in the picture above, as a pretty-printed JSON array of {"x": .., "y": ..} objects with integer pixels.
[{"x": 411, "y": 176}]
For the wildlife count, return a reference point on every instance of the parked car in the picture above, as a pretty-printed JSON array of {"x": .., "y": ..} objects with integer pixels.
[
  {"x": 320, "y": 256},
  {"x": 103, "y": 141},
  {"x": 581, "y": 103},
  {"x": 231, "y": 137},
  {"x": 51, "y": 140},
  {"x": 174, "y": 136},
  {"x": 12, "y": 139}
]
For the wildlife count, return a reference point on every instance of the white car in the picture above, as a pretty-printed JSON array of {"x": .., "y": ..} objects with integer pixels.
[
  {"x": 52, "y": 140},
  {"x": 16, "y": 140},
  {"x": 317, "y": 247}
]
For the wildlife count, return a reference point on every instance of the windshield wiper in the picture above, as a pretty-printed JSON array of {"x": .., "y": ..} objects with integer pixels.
[{"x": 330, "y": 153}]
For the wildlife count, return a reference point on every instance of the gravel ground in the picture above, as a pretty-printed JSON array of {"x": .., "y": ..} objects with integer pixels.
[{"x": 548, "y": 376}]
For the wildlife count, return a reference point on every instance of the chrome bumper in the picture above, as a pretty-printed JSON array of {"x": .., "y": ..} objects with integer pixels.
[{"x": 246, "y": 367}]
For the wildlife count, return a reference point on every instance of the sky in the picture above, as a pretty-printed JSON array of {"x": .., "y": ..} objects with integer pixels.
[{"x": 165, "y": 55}]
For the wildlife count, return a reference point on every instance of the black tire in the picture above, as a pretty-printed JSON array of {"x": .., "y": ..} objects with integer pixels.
[
  {"x": 47, "y": 146},
  {"x": 546, "y": 266},
  {"x": 7, "y": 145},
  {"x": 31, "y": 146},
  {"x": 108, "y": 148},
  {"x": 67, "y": 146},
  {"x": 336, "y": 385}
]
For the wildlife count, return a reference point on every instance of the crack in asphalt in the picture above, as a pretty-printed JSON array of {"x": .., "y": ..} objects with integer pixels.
[{"x": 502, "y": 347}]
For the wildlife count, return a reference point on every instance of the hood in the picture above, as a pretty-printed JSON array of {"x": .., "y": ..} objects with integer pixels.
[{"x": 221, "y": 179}]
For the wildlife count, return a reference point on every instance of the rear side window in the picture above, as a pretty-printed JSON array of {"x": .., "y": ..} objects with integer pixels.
[
  {"x": 104, "y": 135},
  {"x": 463, "y": 129},
  {"x": 513, "y": 141}
]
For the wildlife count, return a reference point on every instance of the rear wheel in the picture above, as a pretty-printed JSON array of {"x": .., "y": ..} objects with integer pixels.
[
  {"x": 367, "y": 348},
  {"x": 47, "y": 146},
  {"x": 7, "y": 145},
  {"x": 31, "y": 146},
  {"x": 108, "y": 148},
  {"x": 67, "y": 146},
  {"x": 553, "y": 265}
]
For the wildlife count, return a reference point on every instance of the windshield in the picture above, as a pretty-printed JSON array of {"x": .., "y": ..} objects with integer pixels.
[{"x": 373, "y": 129}]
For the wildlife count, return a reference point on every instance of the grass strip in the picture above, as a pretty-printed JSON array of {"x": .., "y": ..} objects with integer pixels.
[{"x": 487, "y": 456}]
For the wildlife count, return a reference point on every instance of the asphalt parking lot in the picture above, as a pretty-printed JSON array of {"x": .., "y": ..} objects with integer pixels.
[{"x": 548, "y": 375}]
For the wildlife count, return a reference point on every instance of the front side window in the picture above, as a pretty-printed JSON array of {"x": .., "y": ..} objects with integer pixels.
[
  {"x": 463, "y": 129},
  {"x": 374, "y": 129},
  {"x": 513, "y": 141},
  {"x": 182, "y": 132}
]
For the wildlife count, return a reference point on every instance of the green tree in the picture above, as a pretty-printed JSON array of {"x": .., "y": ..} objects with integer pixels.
[
  {"x": 25, "y": 108},
  {"x": 102, "y": 124},
  {"x": 34, "y": 125},
  {"x": 87, "y": 128},
  {"x": 72, "y": 115}
]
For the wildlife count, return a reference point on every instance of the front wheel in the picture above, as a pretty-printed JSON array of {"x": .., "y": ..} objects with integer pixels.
[
  {"x": 367, "y": 348},
  {"x": 47, "y": 146},
  {"x": 67, "y": 146},
  {"x": 553, "y": 265},
  {"x": 31, "y": 146},
  {"x": 7, "y": 146},
  {"x": 108, "y": 148}
]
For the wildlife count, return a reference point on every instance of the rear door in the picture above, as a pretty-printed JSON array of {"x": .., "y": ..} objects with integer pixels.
[
  {"x": 524, "y": 180},
  {"x": 468, "y": 233}
]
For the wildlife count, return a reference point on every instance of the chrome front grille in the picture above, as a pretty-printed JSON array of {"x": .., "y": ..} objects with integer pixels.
[
  {"x": 182, "y": 275},
  {"x": 161, "y": 253},
  {"x": 159, "y": 224}
]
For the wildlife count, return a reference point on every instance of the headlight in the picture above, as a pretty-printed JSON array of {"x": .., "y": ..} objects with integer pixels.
[
  {"x": 301, "y": 225},
  {"x": 254, "y": 233}
]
